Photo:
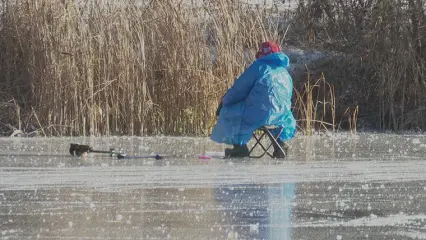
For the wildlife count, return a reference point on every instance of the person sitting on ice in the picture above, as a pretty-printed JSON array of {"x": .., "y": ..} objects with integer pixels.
[{"x": 261, "y": 96}]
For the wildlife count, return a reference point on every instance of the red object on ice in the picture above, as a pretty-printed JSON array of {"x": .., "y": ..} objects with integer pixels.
[{"x": 205, "y": 157}]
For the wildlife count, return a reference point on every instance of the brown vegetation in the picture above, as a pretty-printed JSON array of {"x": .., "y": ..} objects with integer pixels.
[
  {"x": 160, "y": 67},
  {"x": 384, "y": 63}
]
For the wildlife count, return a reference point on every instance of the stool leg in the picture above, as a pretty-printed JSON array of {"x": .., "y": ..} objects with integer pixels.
[
  {"x": 257, "y": 143},
  {"x": 274, "y": 140},
  {"x": 265, "y": 149}
]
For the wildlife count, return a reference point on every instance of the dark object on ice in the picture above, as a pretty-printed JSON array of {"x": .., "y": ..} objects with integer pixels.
[
  {"x": 72, "y": 148},
  {"x": 78, "y": 150},
  {"x": 237, "y": 152}
]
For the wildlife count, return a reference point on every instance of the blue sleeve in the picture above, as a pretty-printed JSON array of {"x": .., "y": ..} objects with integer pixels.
[{"x": 242, "y": 86}]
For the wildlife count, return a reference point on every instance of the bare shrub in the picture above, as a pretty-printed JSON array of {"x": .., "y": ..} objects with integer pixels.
[{"x": 385, "y": 41}]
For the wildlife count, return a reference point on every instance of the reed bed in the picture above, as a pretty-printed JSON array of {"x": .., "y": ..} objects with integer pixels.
[
  {"x": 160, "y": 67},
  {"x": 133, "y": 68}
]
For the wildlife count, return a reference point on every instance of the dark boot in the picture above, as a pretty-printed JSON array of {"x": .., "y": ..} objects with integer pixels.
[
  {"x": 277, "y": 151},
  {"x": 237, "y": 152}
]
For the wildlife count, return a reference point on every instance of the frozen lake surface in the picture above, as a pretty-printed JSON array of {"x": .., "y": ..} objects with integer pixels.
[{"x": 368, "y": 186}]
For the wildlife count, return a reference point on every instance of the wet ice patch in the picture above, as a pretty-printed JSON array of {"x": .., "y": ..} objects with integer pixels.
[
  {"x": 371, "y": 221},
  {"x": 137, "y": 177}
]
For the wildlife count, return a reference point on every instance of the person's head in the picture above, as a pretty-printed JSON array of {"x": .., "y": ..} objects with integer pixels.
[{"x": 267, "y": 48}]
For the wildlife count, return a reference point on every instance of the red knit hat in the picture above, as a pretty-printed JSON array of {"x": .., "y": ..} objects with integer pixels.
[{"x": 267, "y": 48}]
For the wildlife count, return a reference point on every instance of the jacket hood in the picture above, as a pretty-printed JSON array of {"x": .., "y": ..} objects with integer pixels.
[{"x": 276, "y": 59}]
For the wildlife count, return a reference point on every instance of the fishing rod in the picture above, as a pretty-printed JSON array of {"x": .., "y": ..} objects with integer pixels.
[
  {"x": 124, "y": 156},
  {"x": 159, "y": 157},
  {"x": 79, "y": 150}
]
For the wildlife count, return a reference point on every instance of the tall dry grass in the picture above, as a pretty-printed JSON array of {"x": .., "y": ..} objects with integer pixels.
[
  {"x": 315, "y": 105},
  {"x": 160, "y": 67},
  {"x": 134, "y": 67}
]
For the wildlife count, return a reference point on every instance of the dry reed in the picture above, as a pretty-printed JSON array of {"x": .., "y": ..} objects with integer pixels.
[
  {"x": 160, "y": 67},
  {"x": 313, "y": 103},
  {"x": 103, "y": 68},
  {"x": 352, "y": 116}
]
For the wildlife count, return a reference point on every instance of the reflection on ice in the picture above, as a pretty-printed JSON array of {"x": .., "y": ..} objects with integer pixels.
[{"x": 257, "y": 211}]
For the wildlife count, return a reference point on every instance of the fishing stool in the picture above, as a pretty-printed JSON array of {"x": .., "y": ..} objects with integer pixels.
[{"x": 266, "y": 131}]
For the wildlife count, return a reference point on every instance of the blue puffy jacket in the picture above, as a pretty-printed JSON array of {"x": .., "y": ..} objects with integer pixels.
[{"x": 260, "y": 96}]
